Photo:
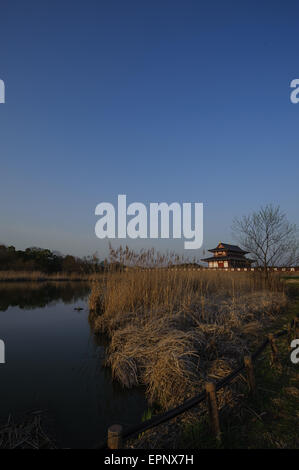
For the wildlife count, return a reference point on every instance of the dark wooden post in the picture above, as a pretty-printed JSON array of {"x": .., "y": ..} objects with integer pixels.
[
  {"x": 296, "y": 327},
  {"x": 250, "y": 373},
  {"x": 115, "y": 436},
  {"x": 274, "y": 350},
  {"x": 213, "y": 410}
]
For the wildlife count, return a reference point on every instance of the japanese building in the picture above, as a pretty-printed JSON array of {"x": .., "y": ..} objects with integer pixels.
[{"x": 228, "y": 256}]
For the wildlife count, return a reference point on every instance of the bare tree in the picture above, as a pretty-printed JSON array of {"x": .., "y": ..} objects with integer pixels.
[{"x": 268, "y": 236}]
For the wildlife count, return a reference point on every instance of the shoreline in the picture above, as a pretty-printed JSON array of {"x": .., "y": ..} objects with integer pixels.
[{"x": 38, "y": 276}]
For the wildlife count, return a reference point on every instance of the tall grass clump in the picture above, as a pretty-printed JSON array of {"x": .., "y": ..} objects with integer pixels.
[{"x": 171, "y": 328}]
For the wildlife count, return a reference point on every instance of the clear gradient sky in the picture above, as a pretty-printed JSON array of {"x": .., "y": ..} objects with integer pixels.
[{"x": 160, "y": 100}]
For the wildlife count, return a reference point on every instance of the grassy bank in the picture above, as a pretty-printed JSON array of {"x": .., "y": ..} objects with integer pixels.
[
  {"x": 38, "y": 276},
  {"x": 172, "y": 330},
  {"x": 269, "y": 419}
]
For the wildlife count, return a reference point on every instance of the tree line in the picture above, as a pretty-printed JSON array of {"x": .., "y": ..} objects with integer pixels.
[{"x": 47, "y": 261}]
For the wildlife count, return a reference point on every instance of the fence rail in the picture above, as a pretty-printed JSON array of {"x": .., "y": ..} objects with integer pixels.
[
  {"x": 203, "y": 268},
  {"x": 116, "y": 434}
]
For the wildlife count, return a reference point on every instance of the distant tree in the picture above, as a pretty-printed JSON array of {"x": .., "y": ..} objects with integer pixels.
[
  {"x": 69, "y": 264},
  {"x": 268, "y": 236},
  {"x": 42, "y": 259}
]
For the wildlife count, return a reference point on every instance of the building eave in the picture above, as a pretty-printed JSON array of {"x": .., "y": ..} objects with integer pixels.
[{"x": 227, "y": 258}]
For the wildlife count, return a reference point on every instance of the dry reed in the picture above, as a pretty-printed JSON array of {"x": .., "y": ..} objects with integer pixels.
[{"x": 27, "y": 433}]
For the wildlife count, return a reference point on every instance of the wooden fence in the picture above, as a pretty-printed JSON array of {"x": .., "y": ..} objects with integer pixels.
[{"x": 202, "y": 268}]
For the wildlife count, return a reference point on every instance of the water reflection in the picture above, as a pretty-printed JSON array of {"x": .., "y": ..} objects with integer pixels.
[
  {"x": 30, "y": 295},
  {"x": 54, "y": 364}
]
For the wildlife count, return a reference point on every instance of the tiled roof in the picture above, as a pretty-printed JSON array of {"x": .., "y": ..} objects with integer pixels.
[{"x": 228, "y": 247}]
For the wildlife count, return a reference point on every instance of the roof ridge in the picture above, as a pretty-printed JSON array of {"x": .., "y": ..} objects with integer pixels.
[{"x": 228, "y": 246}]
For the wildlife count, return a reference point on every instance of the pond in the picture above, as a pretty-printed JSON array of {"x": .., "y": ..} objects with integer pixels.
[{"x": 54, "y": 364}]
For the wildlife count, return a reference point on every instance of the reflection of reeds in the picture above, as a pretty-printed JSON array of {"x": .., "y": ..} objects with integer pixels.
[
  {"x": 29, "y": 294},
  {"x": 25, "y": 434},
  {"x": 170, "y": 329}
]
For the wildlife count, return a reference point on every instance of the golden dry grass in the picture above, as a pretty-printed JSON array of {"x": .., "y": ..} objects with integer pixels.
[{"x": 172, "y": 329}]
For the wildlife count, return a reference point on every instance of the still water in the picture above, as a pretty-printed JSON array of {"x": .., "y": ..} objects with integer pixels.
[{"x": 54, "y": 363}]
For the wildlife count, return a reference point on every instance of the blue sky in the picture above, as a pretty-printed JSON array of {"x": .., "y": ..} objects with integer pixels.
[{"x": 160, "y": 100}]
